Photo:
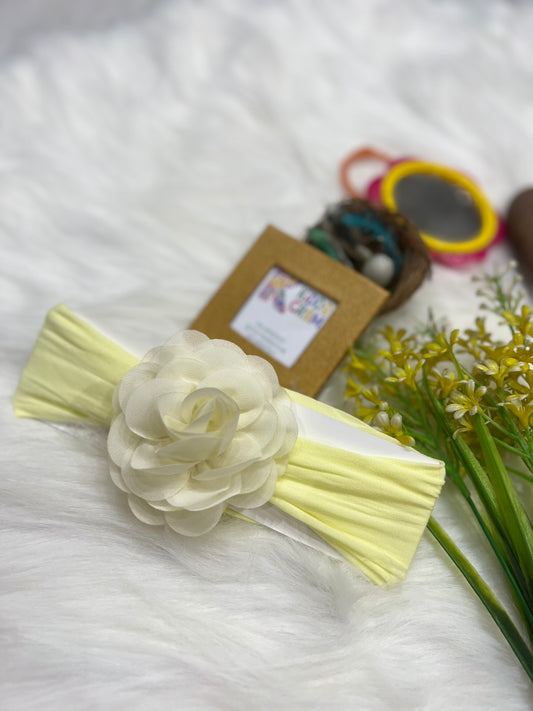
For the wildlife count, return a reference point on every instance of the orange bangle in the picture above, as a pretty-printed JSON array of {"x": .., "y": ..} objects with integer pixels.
[{"x": 360, "y": 154}]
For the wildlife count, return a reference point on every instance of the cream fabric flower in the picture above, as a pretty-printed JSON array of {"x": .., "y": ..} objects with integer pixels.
[{"x": 199, "y": 426}]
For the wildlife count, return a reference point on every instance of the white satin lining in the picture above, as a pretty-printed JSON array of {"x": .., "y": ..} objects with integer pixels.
[{"x": 320, "y": 428}]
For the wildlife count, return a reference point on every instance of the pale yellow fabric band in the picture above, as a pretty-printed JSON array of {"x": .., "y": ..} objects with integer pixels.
[
  {"x": 72, "y": 372},
  {"x": 373, "y": 510}
]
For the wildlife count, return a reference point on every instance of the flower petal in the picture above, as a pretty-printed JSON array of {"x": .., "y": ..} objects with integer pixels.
[
  {"x": 207, "y": 471},
  {"x": 121, "y": 442},
  {"x": 142, "y": 409},
  {"x": 144, "y": 512},
  {"x": 185, "y": 367},
  {"x": 192, "y": 449},
  {"x": 116, "y": 477},
  {"x": 194, "y": 523},
  {"x": 255, "y": 476},
  {"x": 244, "y": 388},
  {"x": 190, "y": 341},
  {"x": 151, "y": 486},
  {"x": 146, "y": 458},
  {"x": 260, "y": 496},
  {"x": 197, "y": 495},
  {"x": 141, "y": 373}
]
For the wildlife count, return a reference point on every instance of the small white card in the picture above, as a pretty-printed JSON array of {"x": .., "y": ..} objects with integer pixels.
[{"x": 282, "y": 316}]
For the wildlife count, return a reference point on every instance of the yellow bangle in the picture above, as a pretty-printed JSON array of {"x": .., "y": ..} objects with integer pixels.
[{"x": 489, "y": 220}]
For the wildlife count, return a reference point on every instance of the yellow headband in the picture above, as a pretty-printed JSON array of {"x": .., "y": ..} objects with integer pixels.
[{"x": 363, "y": 493}]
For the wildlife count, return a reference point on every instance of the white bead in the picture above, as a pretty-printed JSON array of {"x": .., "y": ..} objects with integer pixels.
[{"x": 379, "y": 269}]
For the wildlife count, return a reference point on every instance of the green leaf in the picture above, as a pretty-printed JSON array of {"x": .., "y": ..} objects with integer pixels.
[
  {"x": 514, "y": 516},
  {"x": 468, "y": 459},
  {"x": 487, "y": 597}
]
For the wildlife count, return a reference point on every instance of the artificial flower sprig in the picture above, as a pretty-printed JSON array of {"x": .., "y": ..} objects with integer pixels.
[{"x": 466, "y": 397}]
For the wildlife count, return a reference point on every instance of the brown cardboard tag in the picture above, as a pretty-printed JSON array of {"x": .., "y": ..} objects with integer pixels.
[{"x": 294, "y": 306}]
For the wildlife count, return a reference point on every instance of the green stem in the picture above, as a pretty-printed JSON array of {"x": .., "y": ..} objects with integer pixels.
[
  {"x": 517, "y": 524},
  {"x": 495, "y": 542},
  {"x": 523, "y": 605},
  {"x": 508, "y": 447},
  {"x": 521, "y": 474},
  {"x": 481, "y": 481},
  {"x": 487, "y": 597},
  {"x": 475, "y": 470},
  {"x": 517, "y": 434}
]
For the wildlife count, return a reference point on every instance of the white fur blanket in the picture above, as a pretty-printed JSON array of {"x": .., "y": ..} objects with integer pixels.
[{"x": 143, "y": 148}]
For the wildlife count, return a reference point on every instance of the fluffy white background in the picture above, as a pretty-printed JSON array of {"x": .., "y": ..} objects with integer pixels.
[{"x": 143, "y": 147}]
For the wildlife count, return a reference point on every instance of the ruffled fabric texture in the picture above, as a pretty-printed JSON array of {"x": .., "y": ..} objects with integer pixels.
[{"x": 199, "y": 426}]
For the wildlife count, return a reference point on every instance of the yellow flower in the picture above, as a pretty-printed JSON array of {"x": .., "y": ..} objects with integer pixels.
[
  {"x": 353, "y": 389},
  {"x": 400, "y": 347},
  {"x": 372, "y": 395},
  {"x": 393, "y": 426},
  {"x": 364, "y": 413},
  {"x": 515, "y": 365},
  {"x": 479, "y": 333},
  {"x": 441, "y": 348},
  {"x": 502, "y": 360},
  {"x": 443, "y": 382},
  {"x": 522, "y": 322},
  {"x": 523, "y": 384},
  {"x": 475, "y": 339},
  {"x": 363, "y": 368},
  {"x": 497, "y": 371},
  {"x": 367, "y": 404},
  {"x": 521, "y": 407},
  {"x": 466, "y": 427},
  {"x": 396, "y": 340},
  {"x": 407, "y": 374},
  {"x": 462, "y": 404}
]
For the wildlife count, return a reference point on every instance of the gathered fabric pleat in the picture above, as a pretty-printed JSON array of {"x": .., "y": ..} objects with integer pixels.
[
  {"x": 372, "y": 510},
  {"x": 72, "y": 372}
]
